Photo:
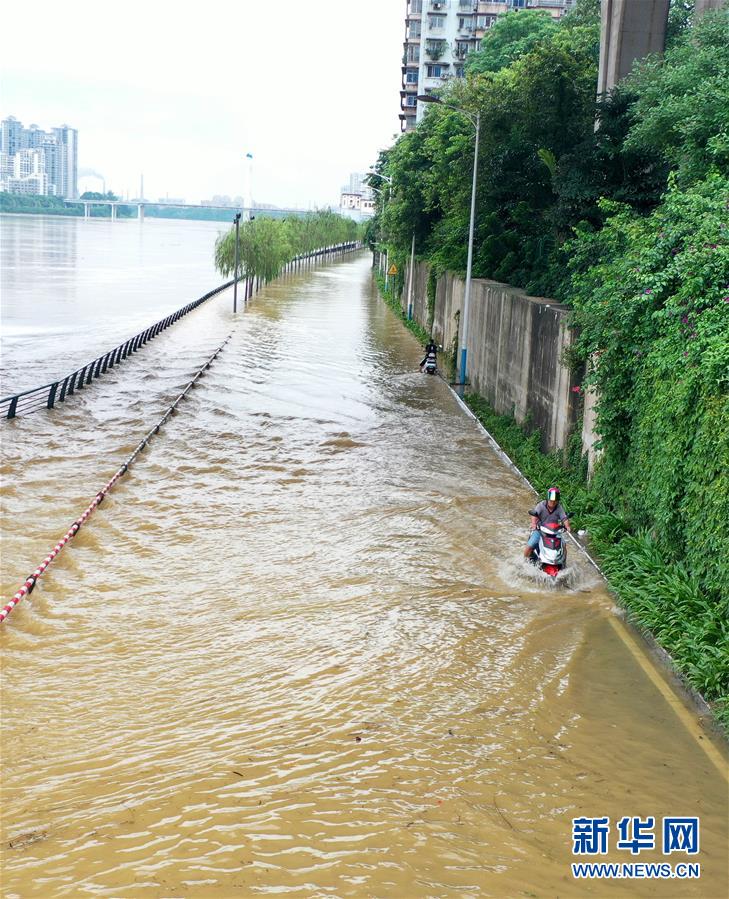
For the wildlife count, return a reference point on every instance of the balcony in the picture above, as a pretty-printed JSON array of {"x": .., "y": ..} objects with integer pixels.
[
  {"x": 437, "y": 6},
  {"x": 435, "y": 50}
]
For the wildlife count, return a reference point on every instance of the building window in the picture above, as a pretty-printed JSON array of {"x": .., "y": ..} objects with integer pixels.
[
  {"x": 410, "y": 101},
  {"x": 416, "y": 6},
  {"x": 414, "y": 30},
  {"x": 436, "y": 23},
  {"x": 458, "y": 70},
  {"x": 436, "y": 71},
  {"x": 411, "y": 78}
]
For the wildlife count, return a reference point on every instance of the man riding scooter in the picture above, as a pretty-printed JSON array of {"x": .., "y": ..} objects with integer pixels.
[
  {"x": 546, "y": 512},
  {"x": 430, "y": 360}
]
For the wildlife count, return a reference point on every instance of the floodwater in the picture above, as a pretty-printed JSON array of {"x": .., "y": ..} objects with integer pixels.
[{"x": 294, "y": 652}]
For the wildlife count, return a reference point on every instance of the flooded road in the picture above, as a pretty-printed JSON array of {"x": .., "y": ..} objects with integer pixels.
[{"x": 292, "y": 652}]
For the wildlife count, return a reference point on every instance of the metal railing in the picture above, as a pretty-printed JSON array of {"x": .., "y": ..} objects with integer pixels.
[{"x": 48, "y": 395}]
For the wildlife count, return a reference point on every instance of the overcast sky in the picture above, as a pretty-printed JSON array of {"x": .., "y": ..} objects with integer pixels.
[{"x": 182, "y": 92}]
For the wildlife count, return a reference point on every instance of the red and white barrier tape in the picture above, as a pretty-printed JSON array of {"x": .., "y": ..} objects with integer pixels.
[{"x": 32, "y": 579}]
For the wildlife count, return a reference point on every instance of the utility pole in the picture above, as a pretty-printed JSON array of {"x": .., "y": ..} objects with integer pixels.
[
  {"x": 410, "y": 281},
  {"x": 235, "y": 282}
]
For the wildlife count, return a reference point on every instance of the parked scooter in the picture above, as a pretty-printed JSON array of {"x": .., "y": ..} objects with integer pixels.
[{"x": 551, "y": 554}]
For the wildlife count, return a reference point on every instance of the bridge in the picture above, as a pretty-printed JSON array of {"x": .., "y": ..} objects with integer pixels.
[{"x": 246, "y": 211}]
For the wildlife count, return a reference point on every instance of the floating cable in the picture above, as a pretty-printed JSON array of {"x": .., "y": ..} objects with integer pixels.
[{"x": 32, "y": 579}]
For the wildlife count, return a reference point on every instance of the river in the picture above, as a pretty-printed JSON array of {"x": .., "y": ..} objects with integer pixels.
[{"x": 294, "y": 651}]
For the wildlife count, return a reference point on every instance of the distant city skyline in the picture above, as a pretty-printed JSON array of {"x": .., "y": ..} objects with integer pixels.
[
  {"x": 182, "y": 97},
  {"x": 34, "y": 161}
]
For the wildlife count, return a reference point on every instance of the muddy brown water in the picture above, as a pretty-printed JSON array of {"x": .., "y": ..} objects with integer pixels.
[{"x": 294, "y": 651}]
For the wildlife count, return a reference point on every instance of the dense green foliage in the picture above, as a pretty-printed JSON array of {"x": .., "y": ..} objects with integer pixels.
[
  {"x": 209, "y": 213},
  {"x": 95, "y": 195},
  {"x": 44, "y": 205},
  {"x": 266, "y": 244},
  {"x": 627, "y": 223},
  {"x": 510, "y": 37},
  {"x": 653, "y": 316},
  {"x": 681, "y": 108}
]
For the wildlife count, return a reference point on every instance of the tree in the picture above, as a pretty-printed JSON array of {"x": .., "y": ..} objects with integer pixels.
[
  {"x": 508, "y": 39},
  {"x": 93, "y": 195},
  {"x": 681, "y": 111}
]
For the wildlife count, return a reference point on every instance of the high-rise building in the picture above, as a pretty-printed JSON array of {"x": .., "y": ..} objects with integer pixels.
[
  {"x": 439, "y": 35},
  {"x": 67, "y": 174},
  {"x": 55, "y": 163},
  {"x": 11, "y": 136}
]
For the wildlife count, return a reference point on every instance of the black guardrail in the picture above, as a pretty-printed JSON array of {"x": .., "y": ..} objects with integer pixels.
[{"x": 47, "y": 396}]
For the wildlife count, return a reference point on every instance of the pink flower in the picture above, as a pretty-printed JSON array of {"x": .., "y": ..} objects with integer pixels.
[{"x": 576, "y": 390}]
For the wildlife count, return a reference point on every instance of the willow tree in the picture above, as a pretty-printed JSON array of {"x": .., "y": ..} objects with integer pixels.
[{"x": 266, "y": 245}]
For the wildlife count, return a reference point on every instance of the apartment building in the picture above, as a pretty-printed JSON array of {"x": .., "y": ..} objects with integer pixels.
[
  {"x": 439, "y": 35},
  {"x": 24, "y": 172},
  {"x": 37, "y": 161},
  {"x": 356, "y": 199}
]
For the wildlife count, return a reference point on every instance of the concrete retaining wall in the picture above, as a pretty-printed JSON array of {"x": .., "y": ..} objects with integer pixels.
[{"x": 515, "y": 343}]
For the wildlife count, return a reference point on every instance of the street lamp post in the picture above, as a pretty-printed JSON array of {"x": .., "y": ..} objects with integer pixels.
[
  {"x": 476, "y": 122},
  {"x": 235, "y": 276},
  {"x": 377, "y": 190}
]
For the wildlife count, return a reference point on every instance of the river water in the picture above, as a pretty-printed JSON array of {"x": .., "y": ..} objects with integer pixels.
[{"x": 294, "y": 651}]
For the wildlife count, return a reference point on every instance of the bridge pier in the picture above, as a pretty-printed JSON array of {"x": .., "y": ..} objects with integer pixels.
[
  {"x": 629, "y": 31},
  {"x": 140, "y": 212},
  {"x": 86, "y": 210},
  {"x": 113, "y": 211}
]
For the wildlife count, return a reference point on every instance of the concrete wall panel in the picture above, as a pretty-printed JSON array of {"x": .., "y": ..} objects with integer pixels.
[{"x": 515, "y": 347}]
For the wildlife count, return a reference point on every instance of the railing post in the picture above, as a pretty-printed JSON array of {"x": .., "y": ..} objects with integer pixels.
[
  {"x": 52, "y": 395},
  {"x": 12, "y": 407},
  {"x": 62, "y": 397}
]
